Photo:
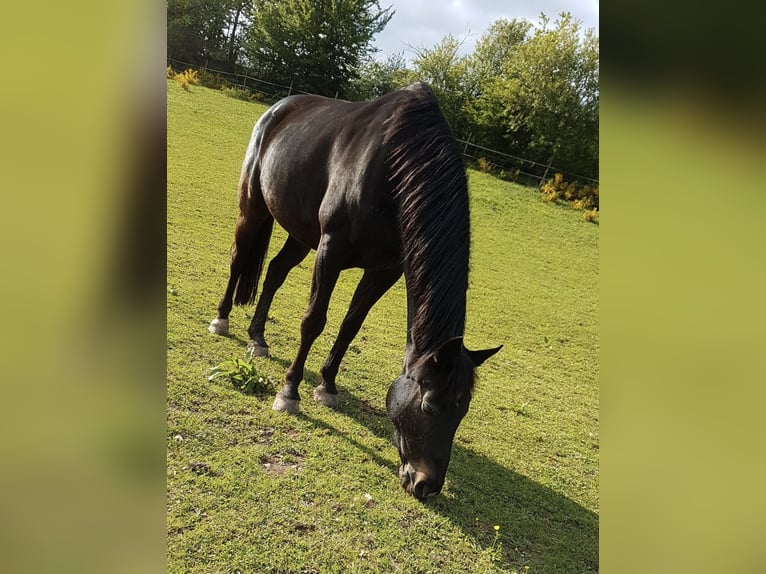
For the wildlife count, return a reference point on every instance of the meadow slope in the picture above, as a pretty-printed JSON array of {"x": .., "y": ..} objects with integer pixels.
[{"x": 252, "y": 490}]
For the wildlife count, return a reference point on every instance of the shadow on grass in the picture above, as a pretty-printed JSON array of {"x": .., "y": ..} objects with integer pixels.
[{"x": 537, "y": 525}]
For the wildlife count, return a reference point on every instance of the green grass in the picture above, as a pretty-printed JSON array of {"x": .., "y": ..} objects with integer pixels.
[{"x": 253, "y": 490}]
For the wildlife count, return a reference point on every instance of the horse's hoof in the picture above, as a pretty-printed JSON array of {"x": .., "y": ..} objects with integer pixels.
[
  {"x": 219, "y": 326},
  {"x": 323, "y": 397},
  {"x": 258, "y": 350},
  {"x": 290, "y": 406}
]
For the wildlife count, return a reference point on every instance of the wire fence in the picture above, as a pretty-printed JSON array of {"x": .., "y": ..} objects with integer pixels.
[{"x": 506, "y": 165}]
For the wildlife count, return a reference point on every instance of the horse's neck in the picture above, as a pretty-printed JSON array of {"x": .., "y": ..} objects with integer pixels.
[{"x": 431, "y": 319}]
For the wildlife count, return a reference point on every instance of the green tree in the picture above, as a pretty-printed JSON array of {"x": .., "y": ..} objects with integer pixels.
[
  {"x": 238, "y": 21},
  {"x": 544, "y": 101},
  {"x": 448, "y": 74},
  {"x": 488, "y": 62},
  {"x": 496, "y": 47},
  {"x": 375, "y": 78},
  {"x": 316, "y": 45},
  {"x": 206, "y": 32}
]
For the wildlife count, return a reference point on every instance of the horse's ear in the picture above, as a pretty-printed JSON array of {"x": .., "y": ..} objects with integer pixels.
[
  {"x": 478, "y": 357},
  {"x": 445, "y": 356}
]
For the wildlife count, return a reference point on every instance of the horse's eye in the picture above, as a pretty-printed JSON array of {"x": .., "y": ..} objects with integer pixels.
[{"x": 427, "y": 404}]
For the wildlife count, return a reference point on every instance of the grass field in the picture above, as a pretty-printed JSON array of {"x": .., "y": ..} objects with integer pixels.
[{"x": 253, "y": 490}]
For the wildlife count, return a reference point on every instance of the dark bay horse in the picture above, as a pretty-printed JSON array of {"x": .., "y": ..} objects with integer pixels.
[{"x": 378, "y": 185}]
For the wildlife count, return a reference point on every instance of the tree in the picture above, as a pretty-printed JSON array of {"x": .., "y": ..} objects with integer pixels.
[
  {"x": 487, "y": 65},
  {"x": 316, "y": 45},
  {"x": 239, "y": 19},
  {"x": 496, "y": 47},
  {"x": 206, "y": 32},
  {"x": 545, "y": 99},
  {"x": 375, "y": 78},
  {"x": 447, "y": 73}
]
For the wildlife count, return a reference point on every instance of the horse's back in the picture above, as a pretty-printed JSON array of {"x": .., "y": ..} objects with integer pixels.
[{"x": 320, "y": 164}]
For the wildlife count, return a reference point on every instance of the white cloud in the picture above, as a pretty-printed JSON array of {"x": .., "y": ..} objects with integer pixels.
[{"x": 423, "y": 23}]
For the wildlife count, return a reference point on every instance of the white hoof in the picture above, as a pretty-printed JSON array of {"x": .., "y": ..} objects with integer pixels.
[
  {"x": 290, "y": 406},
  {"x": 258, "y": 350},
  {"x": 219, "y": 326},
  {"x": 323, "y": 397}
]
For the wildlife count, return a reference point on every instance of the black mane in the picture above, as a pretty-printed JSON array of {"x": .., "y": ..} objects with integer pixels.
[{"x": 428, "y": 175}]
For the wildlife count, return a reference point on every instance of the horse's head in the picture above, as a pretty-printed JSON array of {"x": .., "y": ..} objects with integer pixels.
[{"x": 426, "y": 404}]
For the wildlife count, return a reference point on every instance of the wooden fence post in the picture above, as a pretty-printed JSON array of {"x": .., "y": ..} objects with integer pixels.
[{"x": 545, "y": 174}]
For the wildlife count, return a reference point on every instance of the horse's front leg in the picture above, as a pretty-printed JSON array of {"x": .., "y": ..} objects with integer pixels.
[
  {"x": 292, "y": 253},
  {"x": 327, "y": 266},
  {"x": 372, "y": 286}
]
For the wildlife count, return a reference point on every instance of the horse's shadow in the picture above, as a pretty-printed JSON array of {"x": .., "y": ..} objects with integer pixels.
[{"x": 537, "y": 525}]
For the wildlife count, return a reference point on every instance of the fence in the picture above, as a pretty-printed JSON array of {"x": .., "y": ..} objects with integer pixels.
[
  {"x": 517, "y": 168},
  {"x": 506, "y": 165}
]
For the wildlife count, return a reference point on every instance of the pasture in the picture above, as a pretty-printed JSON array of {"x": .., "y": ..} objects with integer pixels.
[{"x": 253, "y": 490}]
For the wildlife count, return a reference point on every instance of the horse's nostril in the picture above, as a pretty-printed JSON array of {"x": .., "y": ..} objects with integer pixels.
[{"x": 422, "y": 489}]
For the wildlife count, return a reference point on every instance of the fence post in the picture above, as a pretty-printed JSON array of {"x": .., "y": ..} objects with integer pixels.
[
  {"x": 550, "y": 163},
  {"x": 290, "y": 89},
  {"x": 245, "y": 82}
]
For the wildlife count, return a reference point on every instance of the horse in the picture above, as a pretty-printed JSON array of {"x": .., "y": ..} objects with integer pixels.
[{"x": 378, "y": 185}]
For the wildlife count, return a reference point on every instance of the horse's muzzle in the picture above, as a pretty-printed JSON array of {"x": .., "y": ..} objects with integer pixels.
[{"x": 417, "y": 483}]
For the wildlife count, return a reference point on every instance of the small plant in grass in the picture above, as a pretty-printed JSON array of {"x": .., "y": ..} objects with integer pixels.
[
  {"x": 591, "y": 215},
  {"x": 242, "y": 374},
  {"x": 171, "y": 73},
  {"x": 497, "y": 547},
  {"x": 493, "y": 551}
]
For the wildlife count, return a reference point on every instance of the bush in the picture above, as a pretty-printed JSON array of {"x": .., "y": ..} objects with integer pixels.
[
  {"x": 171, "y": 73},
  {"x": 236, "y": 92},
  {"x": 591, "y": 215},
  {"x": 211, "y": 80},
  {"x": 579, "y": 196},
  {"x": 484, "y": 165},
  {"x": 556, "y": 189},
  {"x": 187, "y": 78}
]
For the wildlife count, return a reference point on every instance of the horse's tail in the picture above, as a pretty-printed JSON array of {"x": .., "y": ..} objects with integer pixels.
[{"x": 250, "y": 248}]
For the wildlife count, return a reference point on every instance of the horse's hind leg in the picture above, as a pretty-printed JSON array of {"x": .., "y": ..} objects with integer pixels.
[
  {"x": 372, "y": 286},
  {"x": 331, "y": 254},
  {"x": 251, "y": 239},
  {"x": 292, "y": 253}
]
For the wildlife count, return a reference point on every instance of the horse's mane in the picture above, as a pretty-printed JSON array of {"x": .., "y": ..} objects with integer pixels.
[{"x": 428, "y": 175}]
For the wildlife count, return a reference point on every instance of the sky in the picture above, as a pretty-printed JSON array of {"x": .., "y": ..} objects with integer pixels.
[{"x": 423, "y": 23}]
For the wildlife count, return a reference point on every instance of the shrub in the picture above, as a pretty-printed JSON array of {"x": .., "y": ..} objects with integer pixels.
[
  {"x": 557, "y": 189},
  {"x": 579, "y": 196},
  {"x": 590, "y": 193},
  {"x": 583, "y": 204},
  {"x": 236, "y": 92},
  {"x": 484, "y": 165},
  {"x": 211, "y": 80},
  {"x": 591, "y": 215},
  {"x": 187, "y": 78}
]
